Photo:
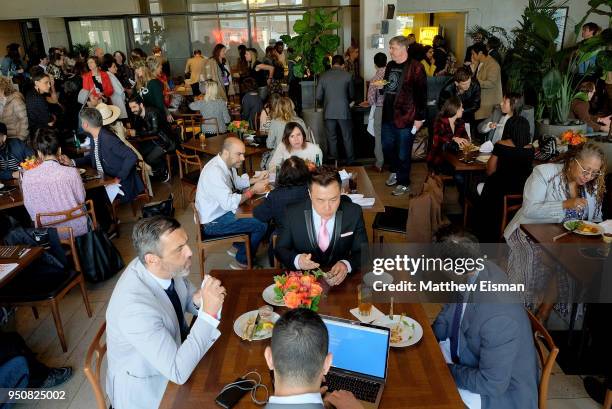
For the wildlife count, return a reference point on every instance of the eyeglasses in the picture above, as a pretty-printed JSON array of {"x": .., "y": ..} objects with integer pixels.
[{"x": 588, "y": 173}]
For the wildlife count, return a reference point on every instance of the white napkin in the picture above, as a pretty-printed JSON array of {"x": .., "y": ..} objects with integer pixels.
[
  {"x": 486, "y": 147},
  {"x": 365, "y": 202},
  {"x": 472, "y": 400},
  {"x": 113, "y": 190},
  {"x": 375, "y": 314},
  {"x": 86, "y": 143},
  {"x": 354, "y": 196},
  {"x": 607, "y": 225},
  {"x": 344, "y": 175},
  {"x": 6, "y": 269}
]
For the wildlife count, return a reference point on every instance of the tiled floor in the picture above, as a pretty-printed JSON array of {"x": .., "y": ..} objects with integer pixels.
[{"x": 566, "y": 392}]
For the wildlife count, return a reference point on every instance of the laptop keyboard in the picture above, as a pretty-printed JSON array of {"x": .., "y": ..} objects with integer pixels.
[{"x": 362, "y": 389}]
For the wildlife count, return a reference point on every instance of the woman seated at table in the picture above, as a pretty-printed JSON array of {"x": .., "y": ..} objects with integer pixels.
[
  {"x": 282, "y": 113},
  {"x": 449, "y": 134},
  {"x": 554, "y": 193},
  {"x": 265, "y": 118},
  {"x": 508, "y": 168},
  {"x": 51, "y": 187},
  {"x": 290, "y": 187},
  {"x": 212, "y": 106},
  {"x": 580, "y": 109},
  {"x": 13, "y": 151},
  {"x": 294, "y": 143},
  {"x": 493, "y": 127},
  {"x": 251, "y": 102}
]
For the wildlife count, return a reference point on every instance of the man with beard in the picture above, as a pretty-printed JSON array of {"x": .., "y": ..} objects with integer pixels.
[{"x": 149, "y": 341}]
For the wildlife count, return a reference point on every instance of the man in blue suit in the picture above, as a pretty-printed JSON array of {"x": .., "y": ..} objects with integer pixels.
[
  {"x": 492, "y": 351},
  {"x": 110, "y": 156}
]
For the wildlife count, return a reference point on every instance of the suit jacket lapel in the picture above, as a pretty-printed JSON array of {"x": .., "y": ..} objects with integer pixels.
[
  {"x": 310, "y": 229},
  {"x": 336, "y": 236}
]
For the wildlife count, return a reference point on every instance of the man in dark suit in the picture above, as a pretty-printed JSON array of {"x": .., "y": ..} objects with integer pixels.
[
  {"x": 487, "y": 335},
  {"x": 336, "y": 91},
  {"x": 299, "y": 357},
  {"x": 109, "y": 155},
  {"x": 327, "y": 230}
]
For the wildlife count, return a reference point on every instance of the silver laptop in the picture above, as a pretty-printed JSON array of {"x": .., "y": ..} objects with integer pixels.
[{"x": 360, "y": 359}]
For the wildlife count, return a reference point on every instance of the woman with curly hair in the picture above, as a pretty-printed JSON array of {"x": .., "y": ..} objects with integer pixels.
[{"x": 554, "y": 193}]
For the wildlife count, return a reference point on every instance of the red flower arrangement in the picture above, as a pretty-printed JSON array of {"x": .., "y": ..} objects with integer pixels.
[{"x": 299, "y": 289}]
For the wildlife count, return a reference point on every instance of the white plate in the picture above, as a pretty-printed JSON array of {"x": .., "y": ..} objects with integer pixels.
[
  {"x": 600, "y": 229},
  {"x": 82, "y": 171},
  {"x": 483, "y": 158},
  {"x": 240, "y": 323},
  {"x": 1, "y": 185},
  {"x": 270, "y": 297},
  {"x": 415, "y": 337}
]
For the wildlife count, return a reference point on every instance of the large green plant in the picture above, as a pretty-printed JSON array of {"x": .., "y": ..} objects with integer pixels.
[
  {"x": 83, "y": 48},
  {"x": 314, "y": 40}
]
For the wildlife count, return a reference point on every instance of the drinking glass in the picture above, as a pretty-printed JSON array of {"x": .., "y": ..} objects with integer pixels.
[
  {"x": 364, "y": 299},
  {"x": 202, "y": 139}
]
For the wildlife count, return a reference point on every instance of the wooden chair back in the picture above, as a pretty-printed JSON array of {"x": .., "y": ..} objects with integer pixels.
[
  {"x": 191, "y": 125},
  {"x": 543, "y": 343},
  {"x": 70, "y": 214},
  {"x": 187, "y": 163},
  {"x": 212, "y": 121},
  {"x": 512, "y": 203},
  {"x": 196, "y": 220},
  {"x": 92, "y": 369},
  {"x": 70, "y": 243},
  {"x": 257, "y": 121}
]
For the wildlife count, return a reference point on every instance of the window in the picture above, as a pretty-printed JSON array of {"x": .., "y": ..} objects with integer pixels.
[
  {"x": 234, "y": 31},
  {"x": 204, "y": 33},
  {"x": 106, "y": 34},
  {"x": 266, "y": 28}
]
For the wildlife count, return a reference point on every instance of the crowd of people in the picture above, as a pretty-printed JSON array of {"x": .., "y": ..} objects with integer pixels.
[{"x": 56, "y": 102}]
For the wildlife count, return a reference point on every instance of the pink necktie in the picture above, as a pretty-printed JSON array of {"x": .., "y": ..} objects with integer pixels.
[{"x": 323, "y": 238}]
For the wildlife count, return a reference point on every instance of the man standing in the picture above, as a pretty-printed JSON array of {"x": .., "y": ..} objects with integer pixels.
[
  {"x": 149, "y": 341},
  {"x": 488, "y": 74},
  {"x": 327, "y": 230},
  {"x": 149, "y": 122},
  {"x": 404, "y": 110},
  {"x": 299, "y": 357},
  {"x": 477, "y": 38},
  {"x": 335, "y": 90},
  {"x": 219, "y": 193},
  {"x": 194, "y": 68}
]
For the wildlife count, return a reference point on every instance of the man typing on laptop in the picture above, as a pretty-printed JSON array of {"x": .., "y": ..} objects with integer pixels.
[{"x": 299, "y": 357}]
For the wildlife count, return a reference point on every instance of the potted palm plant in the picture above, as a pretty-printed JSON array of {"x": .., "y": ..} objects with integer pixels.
[{"x": 313, "y": 43}]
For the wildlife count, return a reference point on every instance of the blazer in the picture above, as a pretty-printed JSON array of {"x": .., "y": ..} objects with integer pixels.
[
  {"x": 118, "y": 161},
  {"x": 144, "y": 339},
  {"x": 543, "y": 198},
  {"x": 489, "y": 78},
  {"x": 194, "y": 67},
  {"x": 298, "y": 235},
  {"x": 273, "y": 207},
  {"x": 411, "y": 101},
  {"x": 496, "y": 116},
  {"x": 107, "y": 86},
  {"x": 335, "y": 89},
  {"x": 497, "y": 356}
]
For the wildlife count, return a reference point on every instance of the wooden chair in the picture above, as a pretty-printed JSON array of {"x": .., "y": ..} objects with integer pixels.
[
  {"x": 96, "y": 352},
  {"x": 543, "y": 342},
  {"x": 50, "y": 289},
  {"x": 191, "y": 125},
  {"x": 144, "y": 197},
  {"x": 205, "y": 242},
  {"x": 187, "y": 175},
  {"x": 510, "y": 209}
]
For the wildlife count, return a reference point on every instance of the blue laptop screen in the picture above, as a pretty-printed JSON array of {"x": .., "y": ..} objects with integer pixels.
[{"x": 357, "y": 348}]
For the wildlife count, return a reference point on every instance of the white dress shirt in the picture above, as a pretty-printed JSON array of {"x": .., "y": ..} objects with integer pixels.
[
  {"x": 314, "y": 397},
  {"x": 214, "y": 195},
  {"x": 164, "y": 283},
  {"x": 316, "y": 220}
]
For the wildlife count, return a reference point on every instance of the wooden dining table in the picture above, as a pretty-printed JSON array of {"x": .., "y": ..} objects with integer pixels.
[
  {"x": 22, "y": 262},
  {"x": 212, "y": 146},
  {"x": 417, "y": 376},
  {"x": 14, "y": 198}
]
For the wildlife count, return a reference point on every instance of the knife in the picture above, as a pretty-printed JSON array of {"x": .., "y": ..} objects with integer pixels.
[
  {"x": 255, "y": 327},
  {"x": 391, "y": 310}
]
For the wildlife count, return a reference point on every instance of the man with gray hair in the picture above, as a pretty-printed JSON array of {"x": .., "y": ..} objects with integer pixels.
[
  {"x": 148, "y": 340},
  {"x": 110, "y": 156}
]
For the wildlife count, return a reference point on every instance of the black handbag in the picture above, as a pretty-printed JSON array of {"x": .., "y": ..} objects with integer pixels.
[
  {"x": 100, "y": 259},
  {"x": 162, "y": 208}
]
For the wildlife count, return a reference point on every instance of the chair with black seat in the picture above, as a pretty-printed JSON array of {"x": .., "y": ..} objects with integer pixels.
[
  {"x": 190, "y": 167},
  {"x": 205, "y": 242},
  {"x": 392, "y": 221},
  {"x": 31, "y": 289}
]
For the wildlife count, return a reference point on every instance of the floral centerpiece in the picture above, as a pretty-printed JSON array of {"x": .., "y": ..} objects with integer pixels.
[
  {"x": 240, "y": 127},
  {"x": 29, "y": 163},
  {"x": 572, "y": 138},
  {"x": 299, "y": 289}
]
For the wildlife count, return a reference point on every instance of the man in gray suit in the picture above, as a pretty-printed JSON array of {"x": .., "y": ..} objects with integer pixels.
[
  {"x": 149, "y": 342},
  {"x": 492, "y": 351},
  {"x": 299, "y": 358},
  {"x": 335, "y": 90}
]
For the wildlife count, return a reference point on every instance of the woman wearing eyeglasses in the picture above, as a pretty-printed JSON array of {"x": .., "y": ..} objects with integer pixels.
[{"x": 554, "y": 193}]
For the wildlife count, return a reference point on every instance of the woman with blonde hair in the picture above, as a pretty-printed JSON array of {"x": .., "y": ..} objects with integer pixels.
[
  {"x": 265, "y": 118},
  {"x": 148, "y": 86},
  {"x": 282, "y": 112},
  {"x": 13, "y": 111},
  {"x": 212, "y": 107}
]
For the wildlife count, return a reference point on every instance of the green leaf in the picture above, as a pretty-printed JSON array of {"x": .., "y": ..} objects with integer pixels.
[
  {"x": 330, "y": 42},
  {"x": 300, "y": 27},
  {"x": 545, "y": 27},
  {"x": 604, "y": 60},
  {"x": 315, "y": 303},
  {"x": 334, "y": 25},
  {"x": 286, "y": 39},
  {"x": 551, "y": 84}
]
